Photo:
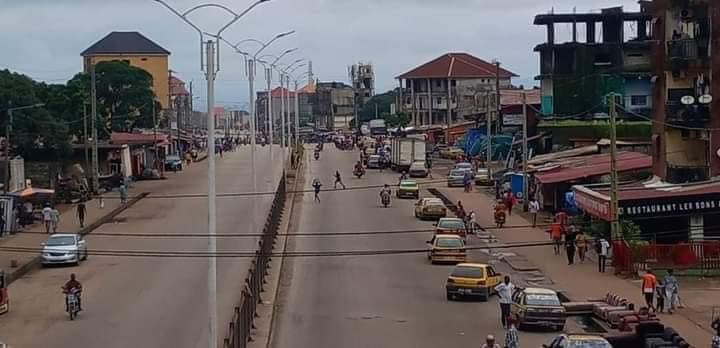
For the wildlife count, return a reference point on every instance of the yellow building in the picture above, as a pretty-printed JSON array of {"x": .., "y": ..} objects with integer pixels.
[{"x": 137, "y": 50}]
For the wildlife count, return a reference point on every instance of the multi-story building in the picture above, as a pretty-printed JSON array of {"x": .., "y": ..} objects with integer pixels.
[
  {"x": 362, "y": 77},
  {"x": 277, "y": 97},
  {"x": 333, "y": 106},
  {"x": 686, "y": 138},
  {"x": 181, "y": 106},
  {"x": 138, "y": 51},
  {"x": 306, "y": 96},
  {"x": 450, "y": 89},
  {"x": 577, "y": 75}
]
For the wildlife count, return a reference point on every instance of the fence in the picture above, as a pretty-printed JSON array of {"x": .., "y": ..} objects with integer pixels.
[
  {"x": 242, "y": 322},
  {"x": 695, "y": 255}
]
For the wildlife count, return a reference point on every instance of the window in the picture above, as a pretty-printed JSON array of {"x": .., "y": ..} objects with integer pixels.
[
  {"x": 439, "y": 101},
  {"x": 143, "y": 59},
  {"x": 453, "y": 83},
  {"x": 438, "y": 83},
  {"x": 407, "y": 101},
  {"x": 638, "y": 100}
]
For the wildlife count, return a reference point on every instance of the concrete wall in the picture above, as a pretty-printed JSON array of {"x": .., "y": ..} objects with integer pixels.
[
  {"x": 155, "y": 65},
  {"x": 684, "y": 152}
]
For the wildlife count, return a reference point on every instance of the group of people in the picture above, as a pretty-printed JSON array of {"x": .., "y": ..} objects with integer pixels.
[
  {"x": 469, "y": 219},
  {"x": 51, "y": 218},
  {"x": 661, "y": 295},
  {"x": 575, "y": 241},
  {"x": 505, "y": 291}
]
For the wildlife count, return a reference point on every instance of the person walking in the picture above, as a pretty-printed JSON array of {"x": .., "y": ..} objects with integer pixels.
[
  {"x": 512, "y": 340},
  {"x": 505, "y": 291},
  {"x": 467, "y": 181},
  {"x": 338, "y": 180},
  {"x": 570, "y": 246},
  {"x": 123, "y": 194},
  {"x": 581, "y": 245},
  {"x": 649, "y": 282},
  {"x": 602, "y": 248},
  {"x": 81, "y": 210},
  {"x": 428, "y": 166},
  {"x": 55, "y": 218},
  {"x": 556, "y": 236},
  {"x": 534, "y": 208},
  {"x": 497, "y": 189},
  {"x": 317, "y": 185},
  {"x": 509, "y": 202},
  {"x": 460, "y": 211},
  {"x": 47, "y": 217},
  {"x": 670, "y": 284}
]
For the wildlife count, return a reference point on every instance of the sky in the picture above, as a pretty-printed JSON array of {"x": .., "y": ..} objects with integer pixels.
[{"x": 43, "y": 38}]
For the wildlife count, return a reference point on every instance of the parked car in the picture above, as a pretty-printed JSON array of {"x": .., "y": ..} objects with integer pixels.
[
  {"x": 472, "y": 279},
  {"x": 538, "y": 307},
  {"x": 418, "y": 170},
  {"x": 173, "y": 162},
  {"x": 408, "y": 188},
  {"x": 63, "y": 248},
  {"x": 447, "y": 248},
  {"x": 455, "y": 177},
  {"x": 430, "y": 208},
  {"x": 464, "y": 165},
  {"x": 482, "y": 176},
  {"x": 373, "y": 162},
  {"x": 578, "y": 341}
]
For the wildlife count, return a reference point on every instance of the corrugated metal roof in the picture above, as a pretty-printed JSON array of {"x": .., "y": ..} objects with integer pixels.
[
  {"x": 456, "y": 65},
  {"x": 594, "y": 166},
  {"x": 136, "y": 138}
]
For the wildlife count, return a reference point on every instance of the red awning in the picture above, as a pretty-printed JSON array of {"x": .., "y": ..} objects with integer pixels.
[
  {"x": 137, "y": 138},
  {"x": 594, "y": 166}
]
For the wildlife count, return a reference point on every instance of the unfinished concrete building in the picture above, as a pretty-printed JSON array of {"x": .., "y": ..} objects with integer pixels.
[{"x": 362, "y": 77}]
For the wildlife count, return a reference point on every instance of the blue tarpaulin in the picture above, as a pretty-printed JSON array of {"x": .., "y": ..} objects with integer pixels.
[{"x": 474, "y": 143}]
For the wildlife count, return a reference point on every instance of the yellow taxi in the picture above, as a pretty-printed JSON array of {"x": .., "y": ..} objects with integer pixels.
[
  {"x": 430, "y": 208},
  {"x": 472, "y": 279},
  {"x": 538, "y": 307},
  {"x": 447, "y": 248}
]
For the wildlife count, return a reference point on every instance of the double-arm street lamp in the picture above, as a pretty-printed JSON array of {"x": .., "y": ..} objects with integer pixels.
[
  {"x": 8, "y": 129},
  {"x": 289, "y": 70},
  {"x": 209, "y": 66},
  {"x": 297, "y": 102}
]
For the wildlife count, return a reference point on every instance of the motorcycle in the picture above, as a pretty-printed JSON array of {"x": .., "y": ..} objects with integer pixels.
[
  {"x": 499, "y": 218},
  {"x": 385, "y": 199},
  {"x": 359, "y": 172},
  {"x": 73, "y": 305},
  {"x": 317, "y": 155}
]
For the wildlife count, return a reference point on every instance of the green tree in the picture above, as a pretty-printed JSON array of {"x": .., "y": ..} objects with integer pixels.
[
  {"x": 383, "y": 102},
  {"x": 125, "y": 99},
  {"x": 36, "y": 133}
]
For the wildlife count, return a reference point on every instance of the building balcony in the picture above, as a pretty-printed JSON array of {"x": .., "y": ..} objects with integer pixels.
[
  {"x": 695, "y": 115},
  {"x": 684, "y": 54}
]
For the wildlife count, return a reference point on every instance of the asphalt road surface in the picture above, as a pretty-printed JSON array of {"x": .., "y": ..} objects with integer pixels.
[
  {"x": 373, "y": 301},
  {"x": 150, "y": 302}
]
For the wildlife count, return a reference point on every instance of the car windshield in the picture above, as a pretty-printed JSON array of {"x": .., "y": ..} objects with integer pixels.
[
  {"x": 580, "y": 343},
  {"x": 434, "y": 203},
  {"x": 468, "y": 272},
  {"x": 542, "y": 300},
  {"x": 449, "y": 243},
  {"x": 458, "y": 172},
  {"x": 60, "y": 241},
  {"x": 482, "y": 171},
  {"x": 451, "y": 224},
  {"x": 408, "y": 184},
  {"x": 463, "y": 165}
]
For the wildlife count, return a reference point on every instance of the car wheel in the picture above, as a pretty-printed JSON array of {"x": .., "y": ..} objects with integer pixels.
[
  {"x": 486, "y": 295},
  {"x": 77, "y": 259},
  {"x": 85, "y": 255},
  {"x": 449, "y": 296}
]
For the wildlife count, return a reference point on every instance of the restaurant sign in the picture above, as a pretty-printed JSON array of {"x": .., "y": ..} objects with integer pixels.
[{"x": 671, "y": 205}]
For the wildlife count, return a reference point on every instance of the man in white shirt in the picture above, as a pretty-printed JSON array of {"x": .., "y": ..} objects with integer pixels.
[
  {"x": 505, "y": 291},
  {"x": 603, "y": 247},
  {"x": 534, "y": 208},
  {"x": 47, "y": 217}
]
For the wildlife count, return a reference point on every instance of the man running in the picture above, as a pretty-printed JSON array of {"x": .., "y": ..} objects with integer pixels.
[
  {"x": 317, "y": 185},
  {"x": 338, "y": 180}
]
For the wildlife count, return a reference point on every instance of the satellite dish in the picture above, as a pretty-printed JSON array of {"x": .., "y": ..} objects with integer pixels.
[
  {"x": 718, "y": 152},
  {"x": 705, "y": 99},
  {"x": 687, "y": 100}
]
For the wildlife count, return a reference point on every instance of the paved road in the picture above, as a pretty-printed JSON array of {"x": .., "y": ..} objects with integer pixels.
[
  {"x": 372, "y": 301},
  {"x": 149, "y": 302}
]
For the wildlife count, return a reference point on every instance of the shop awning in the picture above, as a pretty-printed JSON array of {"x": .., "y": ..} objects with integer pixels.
[{"x": 595, "y": 165}]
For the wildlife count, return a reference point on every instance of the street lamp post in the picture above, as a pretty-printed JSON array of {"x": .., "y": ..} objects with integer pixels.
[
  {"x": 211, "y": 70},
  {"x": 8, "y": 129},
  {"x": 297, "y": 105}
]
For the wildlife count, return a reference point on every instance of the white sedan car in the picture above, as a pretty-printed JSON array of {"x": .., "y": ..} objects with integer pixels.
[{"x": 64, "y": 248}]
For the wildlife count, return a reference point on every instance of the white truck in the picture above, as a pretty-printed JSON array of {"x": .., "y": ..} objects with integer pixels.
[{"x": 405, "y": 151}]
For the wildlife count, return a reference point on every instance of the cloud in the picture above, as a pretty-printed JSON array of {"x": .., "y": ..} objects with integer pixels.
[{"x": 44, "y": 38}]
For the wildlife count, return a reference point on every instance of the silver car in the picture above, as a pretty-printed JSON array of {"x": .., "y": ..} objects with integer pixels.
[
  {"x": 64, "y": 248},
  {"x": 373, "y": 162},
  {"x": 455, "y": 177}
]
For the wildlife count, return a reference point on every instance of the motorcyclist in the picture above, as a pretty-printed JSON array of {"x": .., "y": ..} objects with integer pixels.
[
  {"x": 499, "y": 209},
  {"x": 385, "y": 194},
  {"x": 359, "y": 168},
  {"x": 404, "y": 176},
  {"x": 70, "y": 286}
]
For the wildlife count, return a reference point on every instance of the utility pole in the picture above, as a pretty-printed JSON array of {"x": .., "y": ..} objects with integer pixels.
[
  {"x": 271, "y": 119},
  {"x": 376, "y": 111},
  {"x": 282, "y": 113},
  {"x": 253, "y": 112},
  {"x": 497, "y": 97},
  {"x": 8, "y": 127},
  {"x": 93, "y": 125},
  {"x": 297, "y": 116},
  {"x": 287, "y": 125},
  {"x": 525, "y": 153},
  {"x": 85, "y": 135},
  {"x": 614, "y": 213},
  {"x": 212, "y": 194},
  {"x": 488, "y": 129}
]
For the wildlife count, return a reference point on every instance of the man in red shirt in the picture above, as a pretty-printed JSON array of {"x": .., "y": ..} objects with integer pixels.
[
  {"x": 556, "y": 235},
  {"x": 649, "y": 282}
]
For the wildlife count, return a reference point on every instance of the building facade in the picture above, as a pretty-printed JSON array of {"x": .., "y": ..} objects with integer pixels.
[
  {"x": 333, "y": 105},
  {"x": 576, "y": 76},
  {"x": 451, "y": 89},
  {"x": 686, "y": 140},
  {"x": 138, "y": 51},
  {"x": 362, "y": 77}
]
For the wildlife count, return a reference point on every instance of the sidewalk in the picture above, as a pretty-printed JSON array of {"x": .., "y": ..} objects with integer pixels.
[
  {"x": 33, "y": 235},
  {"x": 578, "y": 281}
]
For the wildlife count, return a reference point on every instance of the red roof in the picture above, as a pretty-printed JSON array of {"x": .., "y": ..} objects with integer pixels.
[
  {"x": 595, "y": 165},
  {"x": 136, "y": 138},
  {"x": 456, "y": 65},
  {"x": 177, "y": 86},
  {"x": 632, "y": 192},
  {"x": 276, "y": 93}
]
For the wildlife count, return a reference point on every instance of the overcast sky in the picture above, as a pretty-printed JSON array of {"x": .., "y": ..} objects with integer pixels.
[{"x": 44, "y": 38}]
